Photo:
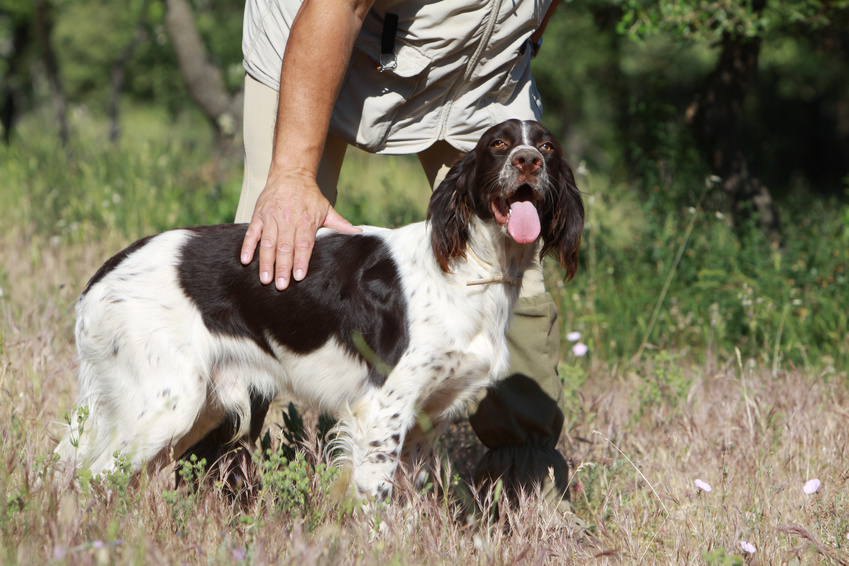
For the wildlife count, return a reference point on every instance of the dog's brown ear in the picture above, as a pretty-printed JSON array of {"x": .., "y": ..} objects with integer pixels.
[
  {"x": 450, "y": 210},
  {"x": 563, "y": 221}
]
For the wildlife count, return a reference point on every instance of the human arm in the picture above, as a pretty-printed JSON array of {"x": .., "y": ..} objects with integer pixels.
[
  {"x": 291, "y": 208},
  {"x": 537, "y": 35}
]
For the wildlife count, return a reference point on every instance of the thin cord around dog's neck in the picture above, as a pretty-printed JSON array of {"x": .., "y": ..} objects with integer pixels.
[{"x": 501, "y": 278}]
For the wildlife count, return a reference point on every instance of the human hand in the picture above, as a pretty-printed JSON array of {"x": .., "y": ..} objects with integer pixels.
[{"x": 287, "y": 215}]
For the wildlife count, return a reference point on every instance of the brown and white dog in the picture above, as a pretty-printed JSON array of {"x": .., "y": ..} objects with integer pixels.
[{"x": 182, "y": 349}]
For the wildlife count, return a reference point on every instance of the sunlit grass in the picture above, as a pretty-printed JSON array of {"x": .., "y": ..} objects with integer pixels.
[{"x": 756, "y": 437}]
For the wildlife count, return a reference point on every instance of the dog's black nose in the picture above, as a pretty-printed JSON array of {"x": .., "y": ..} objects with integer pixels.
[{"x": 527, "y": 161}]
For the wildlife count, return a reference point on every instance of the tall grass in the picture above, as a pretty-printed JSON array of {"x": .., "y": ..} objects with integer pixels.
[
  {"x": 727, "y": 288},
  {"x": 756, "y": 437}
]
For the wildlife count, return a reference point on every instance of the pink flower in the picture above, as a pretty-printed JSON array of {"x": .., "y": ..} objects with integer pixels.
[
  {"x": 580, "y": 349},
  {"x": 704, "y": 486},
  {"x": 573, "y": 336},
  {"x": 811, "y": 486},
  {"x": 750, "y": 548},
  {"x": 97, "y": 544}
]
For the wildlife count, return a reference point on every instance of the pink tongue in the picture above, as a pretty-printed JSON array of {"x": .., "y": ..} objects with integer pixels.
[{"x": 523, "y": 224}]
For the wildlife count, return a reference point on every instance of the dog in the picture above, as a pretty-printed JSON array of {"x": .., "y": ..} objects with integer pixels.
[{"x": 182, "y": 349}]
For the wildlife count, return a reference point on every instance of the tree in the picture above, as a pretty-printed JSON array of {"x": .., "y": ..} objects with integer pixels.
[
  {"x": 202, "y": 77},
  {"x": 118, "y": 72},
  {"x": 736, "y": 28},
  {"x": 16, "y": 17},
  {"x": 30, "y": 25}
]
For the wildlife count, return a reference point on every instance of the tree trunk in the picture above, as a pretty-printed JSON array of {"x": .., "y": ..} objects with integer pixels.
[
  {"x": 44, "y": 32},
  {"x": 13, "y": 80},
  {"x": 118, "y": 75},
  {"x": 202, "y": 78},
  {"x": 716, "y": 117}
]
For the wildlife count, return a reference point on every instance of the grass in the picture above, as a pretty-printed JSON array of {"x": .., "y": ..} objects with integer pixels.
[{"x": 742, "y": 384}]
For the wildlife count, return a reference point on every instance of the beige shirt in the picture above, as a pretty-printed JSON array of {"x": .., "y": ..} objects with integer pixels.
[{"x": 460, "y": 68}]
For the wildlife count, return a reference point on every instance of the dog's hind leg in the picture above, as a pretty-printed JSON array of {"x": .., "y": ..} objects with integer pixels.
[
  {"x": 228, "y": 457},
  {"x": 132, "y": 414}
]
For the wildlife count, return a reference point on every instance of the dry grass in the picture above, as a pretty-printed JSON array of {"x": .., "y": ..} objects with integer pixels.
[{"x": 640, "y": 435}]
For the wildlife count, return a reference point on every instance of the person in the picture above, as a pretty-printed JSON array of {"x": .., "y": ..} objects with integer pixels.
[{"x": 399, "y": 77}]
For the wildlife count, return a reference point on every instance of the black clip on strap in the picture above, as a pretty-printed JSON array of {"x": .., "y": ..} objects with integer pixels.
[{"x": 388, "y": 61}]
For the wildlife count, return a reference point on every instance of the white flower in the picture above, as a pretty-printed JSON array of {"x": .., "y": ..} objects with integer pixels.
[
  {"x": 811, "y": 486},
  {"x": 573, "y": 336},
  {"x": 703, "y": 485},
  {"x": 580, "y": 349},
  {"x": 750, "y": 548}
]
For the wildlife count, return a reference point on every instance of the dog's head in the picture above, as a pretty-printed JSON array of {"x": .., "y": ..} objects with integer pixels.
[{"x": 516, "y": 177}]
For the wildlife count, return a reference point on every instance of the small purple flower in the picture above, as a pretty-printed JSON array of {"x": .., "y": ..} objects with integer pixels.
[
  {"x": 580, "y": 349},
  {"x": 750, "y": 548},
  {"x": 703, "y": 485},
  {"x": 573, "y": 336},
  {"x": 97, "y": 544},
  {"x": 811, "y": 486}
]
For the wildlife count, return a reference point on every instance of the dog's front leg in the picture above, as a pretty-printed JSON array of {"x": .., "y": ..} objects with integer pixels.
[{"x": 374, "y": 433}]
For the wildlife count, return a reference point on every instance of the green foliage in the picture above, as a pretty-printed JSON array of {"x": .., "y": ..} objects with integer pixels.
[
  {"x": 705, "y": 20},
  {"x": 161, "y": 178},
  {"x": 183, "y": 503},
  {"x": 579, "y": 81},
  {"x": 589, "y": 483},
  {"x": 220, "y": 25},
  {"x": 80, "y": 416},
  {"x": 118, "y": 480},
  {"x": 16, "y": 502},
  {"x": 86, "y": 64},
  {"x": 664, "y": 384},
  {"x": 295, "y": 486},
  {"x": 139, "y": 26},
  {"x": 717, "y": 557},
  {"x": 730, "y": 288},
  {"x": 382, "y": 190},
  {"x": 710, "y": 20}
]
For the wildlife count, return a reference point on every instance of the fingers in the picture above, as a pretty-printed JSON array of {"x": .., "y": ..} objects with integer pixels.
[
  {"x": 285, "y": 249},
  {"x": 268, "y": 253},
  {"x": 282, "y": 230},
  {"x": 336, "y": 221},
  {"x": 304, "y": 243},
  {"x": 251, "y": 239}
]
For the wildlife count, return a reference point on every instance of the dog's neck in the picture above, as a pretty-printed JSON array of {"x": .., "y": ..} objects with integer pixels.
[
  {"x": 494, "y": 250},
  {"x": 497, "y": 277}
]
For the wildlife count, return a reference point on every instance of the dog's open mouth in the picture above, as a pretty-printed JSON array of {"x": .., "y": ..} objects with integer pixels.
[{"x": 519, "y": 214}]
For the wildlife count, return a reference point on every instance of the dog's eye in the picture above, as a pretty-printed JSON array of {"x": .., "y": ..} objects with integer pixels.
[
  {"x": 498, "y": 144},
  {"x": 546, "y": 147}
]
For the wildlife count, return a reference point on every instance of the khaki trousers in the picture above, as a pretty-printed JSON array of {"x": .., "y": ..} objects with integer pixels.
[{"x": 519, "y": 420}]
